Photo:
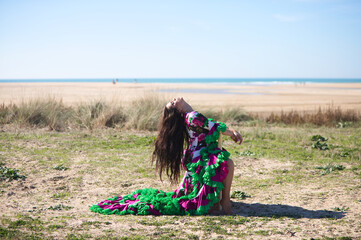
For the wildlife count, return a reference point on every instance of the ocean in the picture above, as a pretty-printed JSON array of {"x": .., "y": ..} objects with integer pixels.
[{"x": 237, "y": 81}]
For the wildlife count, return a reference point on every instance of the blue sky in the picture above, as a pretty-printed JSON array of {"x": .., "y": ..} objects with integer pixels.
[{"x": 160, "y": 39}]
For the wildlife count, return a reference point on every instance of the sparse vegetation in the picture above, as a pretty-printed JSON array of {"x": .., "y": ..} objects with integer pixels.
[
  {"x": 107, "y": 160},
  {"x": 341, "y": 209},
  {"x": 247, "y": 153},
  {"x": 143, "y": 114},
  {"x": 289, "y": 181},
  {"x": 59, "y": 207},
  {"x": 330, "y": 116}
]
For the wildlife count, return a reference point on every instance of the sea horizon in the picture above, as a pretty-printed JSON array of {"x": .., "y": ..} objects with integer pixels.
[{"x": 247, "y": 81}]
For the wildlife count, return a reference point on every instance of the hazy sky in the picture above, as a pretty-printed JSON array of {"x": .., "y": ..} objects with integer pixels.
[{"x": 169, "y": 38}]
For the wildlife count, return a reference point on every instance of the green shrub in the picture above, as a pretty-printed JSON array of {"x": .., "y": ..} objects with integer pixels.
[
  {"x": 330, "y": 168},
  {"x": 320, "y": 142},
  {"x": 10, "y": 173}
]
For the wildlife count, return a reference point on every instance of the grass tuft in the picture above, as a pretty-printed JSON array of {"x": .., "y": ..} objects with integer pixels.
[
  {"x": 240, "y": 195},
  {"x": 43, "y": 113},
  {"x": 247, "y": 153},
  {"x": 144, "y": 113},
  {"x": 59, "y": 207},
  {"x": 341, "y": 209},
  {"x": 60, "y": 167}
]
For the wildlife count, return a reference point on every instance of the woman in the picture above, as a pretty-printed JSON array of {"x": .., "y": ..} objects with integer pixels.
[{"x": 206, "y": 185}]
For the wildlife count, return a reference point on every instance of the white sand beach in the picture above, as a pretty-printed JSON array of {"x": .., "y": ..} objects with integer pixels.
[{"x": 252, "y": 98}]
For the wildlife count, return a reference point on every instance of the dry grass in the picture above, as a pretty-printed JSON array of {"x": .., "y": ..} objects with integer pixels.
[
  {"x": 55, "y": 115},
  {"x": 330, "y": 116},
  {"x": 99, "y": 114},
  {"x": 37, "y": 112},
  {"x": 231, "y": 115},
  {"x": 141, "y": 114},
  {"x": 144, "y": 113}
]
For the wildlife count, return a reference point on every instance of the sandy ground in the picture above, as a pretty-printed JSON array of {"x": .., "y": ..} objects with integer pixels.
[
  {"x": 303, "y": 211},
  {"x": 252, "y": 98}
]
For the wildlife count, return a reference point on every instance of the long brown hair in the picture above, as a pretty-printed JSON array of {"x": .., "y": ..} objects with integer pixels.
[{"x": 169, "y": 144}]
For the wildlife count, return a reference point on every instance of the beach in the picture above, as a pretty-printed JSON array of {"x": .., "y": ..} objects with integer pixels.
[{"x": 261, "y": 98}]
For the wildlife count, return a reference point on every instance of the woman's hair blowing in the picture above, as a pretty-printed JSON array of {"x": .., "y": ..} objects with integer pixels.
[{"x": 168, "y": 151}]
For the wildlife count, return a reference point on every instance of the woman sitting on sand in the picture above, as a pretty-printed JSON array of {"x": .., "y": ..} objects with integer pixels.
[{"x": 206, "y": 185}]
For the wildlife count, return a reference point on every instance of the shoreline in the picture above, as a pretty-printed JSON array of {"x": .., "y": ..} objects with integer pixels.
[
  {"x": 187, "y": 80},
  {"x": 251, "y": 98}
]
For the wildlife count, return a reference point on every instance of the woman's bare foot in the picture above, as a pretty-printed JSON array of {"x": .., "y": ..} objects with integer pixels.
[
  {"x": 226, "y": 196},
  {"x": 216, "y": 209},
  {"x": 227, "y": 207}
]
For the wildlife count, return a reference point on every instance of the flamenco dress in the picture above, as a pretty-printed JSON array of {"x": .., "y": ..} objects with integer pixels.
[{"x": 205, "y": 165}]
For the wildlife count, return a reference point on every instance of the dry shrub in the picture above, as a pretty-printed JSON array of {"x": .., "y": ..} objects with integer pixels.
[
  {"x": 113, "y": 115},
  {"x": 141, "y": 114},
  {"x": 99, "y": 114},
  {"x": 87, "y": 114},
  {"x": 7, "y": 113},
  {"x": 327, "y": 117},
  {"x": 115, "y": 118},
  {"x": 144, "y": 113},
  {"x": 39, "y": 112}
]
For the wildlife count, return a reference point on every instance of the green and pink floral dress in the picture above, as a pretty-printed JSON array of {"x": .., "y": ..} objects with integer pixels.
[{"x": 205, "y": 165}]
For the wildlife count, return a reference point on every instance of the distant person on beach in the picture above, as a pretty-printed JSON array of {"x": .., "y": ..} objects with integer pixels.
[{"x": 205, "y": 187}]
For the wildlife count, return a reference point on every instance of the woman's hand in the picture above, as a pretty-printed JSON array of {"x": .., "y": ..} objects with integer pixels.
[{"x": 236, "y": 136}]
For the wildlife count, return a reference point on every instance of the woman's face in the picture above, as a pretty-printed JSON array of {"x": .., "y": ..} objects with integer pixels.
[{"x": 176, "y": 102}]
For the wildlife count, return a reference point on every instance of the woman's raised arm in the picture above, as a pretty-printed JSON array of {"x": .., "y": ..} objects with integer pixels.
[{"x": 235, "y": 135}]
